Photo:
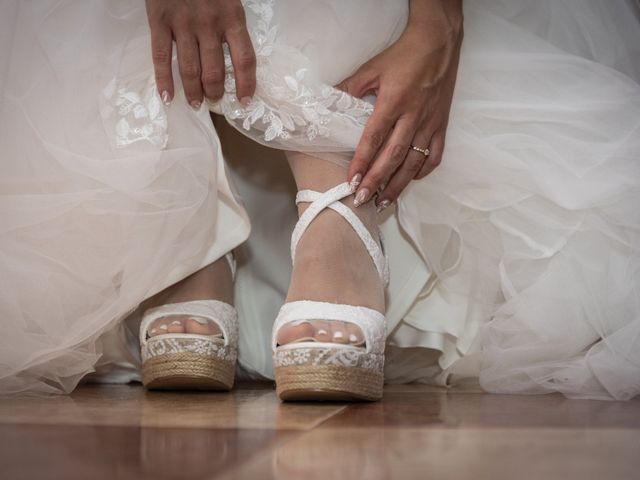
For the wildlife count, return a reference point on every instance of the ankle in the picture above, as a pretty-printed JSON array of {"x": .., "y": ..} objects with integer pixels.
[{"x": 213, "y": 282}]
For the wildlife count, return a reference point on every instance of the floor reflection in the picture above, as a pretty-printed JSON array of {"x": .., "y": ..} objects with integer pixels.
[{"x": 414, "y": 432}]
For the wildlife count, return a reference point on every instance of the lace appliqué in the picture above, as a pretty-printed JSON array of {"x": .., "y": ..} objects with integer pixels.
[
  {"x": 132, "y": 112},
  {"x": 223, "y": 314},
  {"x": 339, "y": 356},
  {"x": 202, "y": 346},
  {"x": 285, "y": 106}
]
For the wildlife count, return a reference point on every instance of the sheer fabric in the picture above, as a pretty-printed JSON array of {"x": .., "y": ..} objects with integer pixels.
[
  {"x": 106, "y": 196},
  {"x": 517, "y": 259}
]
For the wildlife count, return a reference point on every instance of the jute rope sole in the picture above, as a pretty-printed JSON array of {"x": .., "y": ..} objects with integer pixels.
[
  {"x": 187, "y": 371},
  {"x": 328, "y": 382}
]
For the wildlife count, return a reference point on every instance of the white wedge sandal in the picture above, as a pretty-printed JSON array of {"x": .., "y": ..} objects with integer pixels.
[
  {"x": 187, "y": 361},
  {"x": 313, "y": 370}
]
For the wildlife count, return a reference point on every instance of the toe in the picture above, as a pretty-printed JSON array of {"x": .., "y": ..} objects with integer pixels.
[
  {"x": 323, "y": 332},
  {"x": 354, "y": 334},
  {"x": 176, "y": 325},
  {"x": 339, "y": 332},
  {"x": 201, "y": 326},
  {"x": 158, "y": 327},
  {"x": 294, "y": 332}
]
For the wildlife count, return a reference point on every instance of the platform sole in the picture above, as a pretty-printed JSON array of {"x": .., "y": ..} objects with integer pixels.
[
  {"x": 328, "y": 383},
  {"x": 188, "y": 371}
]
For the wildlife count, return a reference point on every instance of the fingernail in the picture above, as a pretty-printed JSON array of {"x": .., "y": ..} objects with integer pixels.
[
  {"x": 355, "y": 181},
  {"x": 382, "y": 205},
  {"x": 166, "y": 98},
  {"x": 244, "y": 101},
  {"x": 361, "y": 197},
  {"x": 196, "y": 104}
]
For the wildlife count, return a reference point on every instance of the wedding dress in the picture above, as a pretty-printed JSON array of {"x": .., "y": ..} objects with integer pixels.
[{"x": 516, "y": 263}]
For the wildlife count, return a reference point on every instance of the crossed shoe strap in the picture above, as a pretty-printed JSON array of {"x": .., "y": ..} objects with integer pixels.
[{"x": 331, "y": 199}]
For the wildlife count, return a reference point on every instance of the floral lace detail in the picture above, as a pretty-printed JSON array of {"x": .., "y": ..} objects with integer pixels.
[
  {"x": 163, "y": 345},
  {"x": 223, "y": 314},
  {"x": 132, "y": 112},
  {"x": 285, "y": 107},
  {"x": 339, "y": 356}
]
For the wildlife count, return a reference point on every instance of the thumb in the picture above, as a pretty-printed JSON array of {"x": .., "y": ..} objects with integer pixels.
[{"x": 364, "y": 80}]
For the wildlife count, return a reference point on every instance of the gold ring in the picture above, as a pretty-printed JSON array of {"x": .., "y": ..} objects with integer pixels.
[{"x": 425, "y": 151}]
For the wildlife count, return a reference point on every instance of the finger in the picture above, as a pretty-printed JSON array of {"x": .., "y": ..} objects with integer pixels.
[
  {"x": 243, "y": 59},
  {"x": 436, "y": 148},
  {"x": 373, "y": 138},
  {"x": 412, "y": 164},
  {"x": 388, "y": 161},
  {"x": 212, "y": 62},
  {"x": 190, "y": 70},
  {"x": 161, "y": 49},
  {"x": 361, "y": 82}
]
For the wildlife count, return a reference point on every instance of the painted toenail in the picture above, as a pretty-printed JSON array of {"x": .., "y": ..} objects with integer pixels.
[{"x": 201, "y": 321}]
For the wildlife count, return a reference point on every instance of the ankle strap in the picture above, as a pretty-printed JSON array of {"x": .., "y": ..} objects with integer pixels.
[{"x": 331, "y": 199}]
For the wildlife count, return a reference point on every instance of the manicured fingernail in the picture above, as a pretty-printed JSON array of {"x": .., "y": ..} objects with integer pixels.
[
  {"x": 382, "y": 205},
  {"x": 355, "y": 181},
  {"x": 361, "y": 197},
  {"x": 196, "y": 104},
  {"x": 244, "y": 101},
  {"x": 166, "y": 98}
]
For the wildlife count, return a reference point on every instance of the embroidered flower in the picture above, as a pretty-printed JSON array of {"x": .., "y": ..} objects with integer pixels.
[{"x": 285, "y": 106}]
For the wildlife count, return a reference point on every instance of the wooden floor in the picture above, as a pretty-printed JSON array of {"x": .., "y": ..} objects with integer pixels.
[{"x": 121, "y": 432}]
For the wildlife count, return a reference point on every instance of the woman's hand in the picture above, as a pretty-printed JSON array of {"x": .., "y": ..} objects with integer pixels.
[
  {"x": 199, "y": 28},
  {"x": 413, "y": 80}
]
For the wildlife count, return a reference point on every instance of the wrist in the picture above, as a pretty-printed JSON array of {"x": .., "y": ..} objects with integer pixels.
[{"x": 441, "y": 19}]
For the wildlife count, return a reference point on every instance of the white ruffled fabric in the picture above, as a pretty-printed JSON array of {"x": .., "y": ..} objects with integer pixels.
[
  {"x": 531, "y": 223},
  {"x": 106, "y": 196},
  {"x": 517, "y": 259}
]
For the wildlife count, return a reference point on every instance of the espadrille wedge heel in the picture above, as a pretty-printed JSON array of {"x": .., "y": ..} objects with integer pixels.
[
  {"x": 312, "y": 370},
  {"x": 188, "y": 361}
]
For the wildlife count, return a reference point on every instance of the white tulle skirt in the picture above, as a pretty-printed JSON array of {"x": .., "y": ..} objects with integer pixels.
[{"x": 516, "y": 263}]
